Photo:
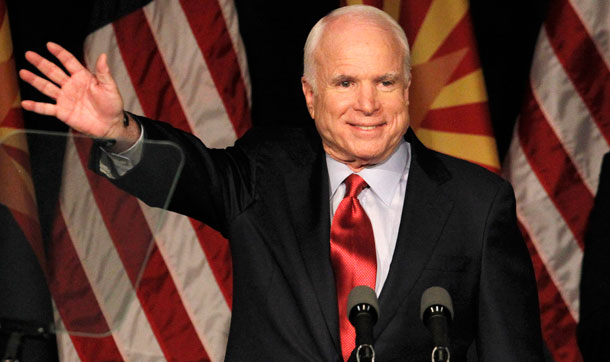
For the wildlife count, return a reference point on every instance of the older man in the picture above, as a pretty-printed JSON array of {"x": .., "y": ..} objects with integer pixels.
[{"x": 424, "y": 219}]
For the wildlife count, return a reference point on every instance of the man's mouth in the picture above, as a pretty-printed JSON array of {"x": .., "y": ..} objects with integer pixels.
[{"x": 367, "y": 128}]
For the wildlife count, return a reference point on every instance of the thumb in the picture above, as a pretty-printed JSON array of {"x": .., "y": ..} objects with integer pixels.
[{"x": 103, "y": 71}]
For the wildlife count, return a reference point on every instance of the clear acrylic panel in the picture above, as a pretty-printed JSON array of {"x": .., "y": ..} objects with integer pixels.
[{"x": 94, "y": 240}]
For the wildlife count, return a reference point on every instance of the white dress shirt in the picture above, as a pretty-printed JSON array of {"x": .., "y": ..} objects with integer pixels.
[{"x": 382, "y": 201}]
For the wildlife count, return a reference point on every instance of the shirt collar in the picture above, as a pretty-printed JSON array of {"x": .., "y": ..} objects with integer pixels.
[{"x": 382, "y": 178}]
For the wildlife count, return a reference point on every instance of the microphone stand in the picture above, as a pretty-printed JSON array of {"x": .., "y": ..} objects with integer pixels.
[
  {"x": 363, "y": 309},
  {"x": 440, "y": 354},
  {"x": 365, "y": 353},
  {"x": 17, "y": 330}
]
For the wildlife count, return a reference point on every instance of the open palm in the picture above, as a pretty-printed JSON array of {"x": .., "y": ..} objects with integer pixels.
[{"x": 89, "y": 103}]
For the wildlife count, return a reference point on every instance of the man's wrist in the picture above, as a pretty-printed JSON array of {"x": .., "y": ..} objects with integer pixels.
[
  {"x": 128, "y": 131},
  {"x": 115, "y": 164}
]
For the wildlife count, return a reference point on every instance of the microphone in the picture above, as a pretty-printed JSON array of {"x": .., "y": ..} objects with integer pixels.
[
  {"x": 436, "y": 312},
  {"x": 363, "y": 312}
]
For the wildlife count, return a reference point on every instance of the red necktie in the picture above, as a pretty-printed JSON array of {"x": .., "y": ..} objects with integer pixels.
[{"x": 352, "y": 254}]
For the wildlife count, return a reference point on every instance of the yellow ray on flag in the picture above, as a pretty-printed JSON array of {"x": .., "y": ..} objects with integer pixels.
[
  {"x": 9, "y": 94},
  {"x": 15, "y": 181},
  {"x": 392, "y": 7},
  {"x": 441, "y": 19},
  {"x": 466, "y": 90},
  {"x": 6, "y": 46},
  {"x": 474, "y": 148},
  {"x": 8, "y": 138}
]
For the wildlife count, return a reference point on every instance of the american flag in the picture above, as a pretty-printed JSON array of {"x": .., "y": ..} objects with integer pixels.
[
  {"x": 555, "y": 157},
  {"x": 149, "y": 293}
]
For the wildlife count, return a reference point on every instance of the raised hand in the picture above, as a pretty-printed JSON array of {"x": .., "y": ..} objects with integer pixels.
[{"x": 89, "y": 103}]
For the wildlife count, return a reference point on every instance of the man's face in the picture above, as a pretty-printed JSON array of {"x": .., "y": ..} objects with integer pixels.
[{"x": 360, "y": 105}]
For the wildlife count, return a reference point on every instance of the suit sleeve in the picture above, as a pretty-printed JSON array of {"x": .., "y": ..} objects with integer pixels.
[
  {"x": 508, "y": 317},
  {"x": 210, "y": 185}
]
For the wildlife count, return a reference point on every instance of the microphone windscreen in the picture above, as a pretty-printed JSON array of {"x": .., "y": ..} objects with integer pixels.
[
  {"x": 435, "y": 296},
  {"x": 362, "y": 294}
]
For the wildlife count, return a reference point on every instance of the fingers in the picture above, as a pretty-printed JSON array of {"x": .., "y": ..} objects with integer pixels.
[
  {"x": 50, "y": 70},
  {"x": 47, "y": 109},
  {"x": 65, "y": 57},
  {"x": 44, "y": 86}
]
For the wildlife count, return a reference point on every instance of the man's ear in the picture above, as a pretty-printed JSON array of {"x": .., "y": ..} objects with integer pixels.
[
  {"x": 310, "y": 98},
  {"x": 406, "y": 93}
]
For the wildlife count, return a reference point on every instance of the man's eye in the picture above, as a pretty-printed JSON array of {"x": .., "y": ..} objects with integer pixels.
[
  {"x": 345, "y": 83},
  {"x": 387, "y": 83}
]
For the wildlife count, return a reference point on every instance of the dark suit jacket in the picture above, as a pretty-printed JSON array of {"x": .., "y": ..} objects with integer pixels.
[
  {"x": 269, "y": 196},
  {"x": 594, "y": 326}
]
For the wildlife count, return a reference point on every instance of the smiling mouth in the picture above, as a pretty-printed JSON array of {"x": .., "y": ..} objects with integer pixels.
[{"x": 368, "y": 128}]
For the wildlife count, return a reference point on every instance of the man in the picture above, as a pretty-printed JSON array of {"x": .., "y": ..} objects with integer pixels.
[{"x": 436, "y": 220}]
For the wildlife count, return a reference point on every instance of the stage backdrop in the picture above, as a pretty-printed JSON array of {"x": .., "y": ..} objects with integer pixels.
[{"x": 553, "y": 160}]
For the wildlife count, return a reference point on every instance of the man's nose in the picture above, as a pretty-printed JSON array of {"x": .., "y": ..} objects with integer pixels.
[{"x": 368, "y": 100}]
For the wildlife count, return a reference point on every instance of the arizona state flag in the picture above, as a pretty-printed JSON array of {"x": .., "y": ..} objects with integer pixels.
[
  {"x": 448, "y": 100},
  {"x": 24, "y": 300},
  {"x": 16, "y": 187}
]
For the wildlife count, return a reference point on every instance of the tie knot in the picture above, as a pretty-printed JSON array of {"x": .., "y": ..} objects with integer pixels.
[{"x": 353, "y": 185}]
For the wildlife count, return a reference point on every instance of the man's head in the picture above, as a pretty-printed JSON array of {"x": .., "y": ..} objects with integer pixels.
[{"x": 356, "y": 84}]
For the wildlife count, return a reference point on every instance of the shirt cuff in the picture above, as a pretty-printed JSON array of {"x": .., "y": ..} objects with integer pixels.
[{"x": 115, "y": 165}]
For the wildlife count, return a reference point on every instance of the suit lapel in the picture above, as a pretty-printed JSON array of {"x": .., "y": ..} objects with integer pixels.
[{"x": 425, "y": 211}]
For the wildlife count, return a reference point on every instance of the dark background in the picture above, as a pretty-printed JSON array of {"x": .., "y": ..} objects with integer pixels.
[{"x": 274, "y": 33}]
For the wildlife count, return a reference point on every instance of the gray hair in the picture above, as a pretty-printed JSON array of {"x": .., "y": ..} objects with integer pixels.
[{"x": 370, "y": 13}]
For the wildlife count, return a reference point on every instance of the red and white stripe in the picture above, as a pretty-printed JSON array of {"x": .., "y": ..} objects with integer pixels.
[
  {"x": 152, "y": 292},
  {"x": 555, "y": 157}
]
